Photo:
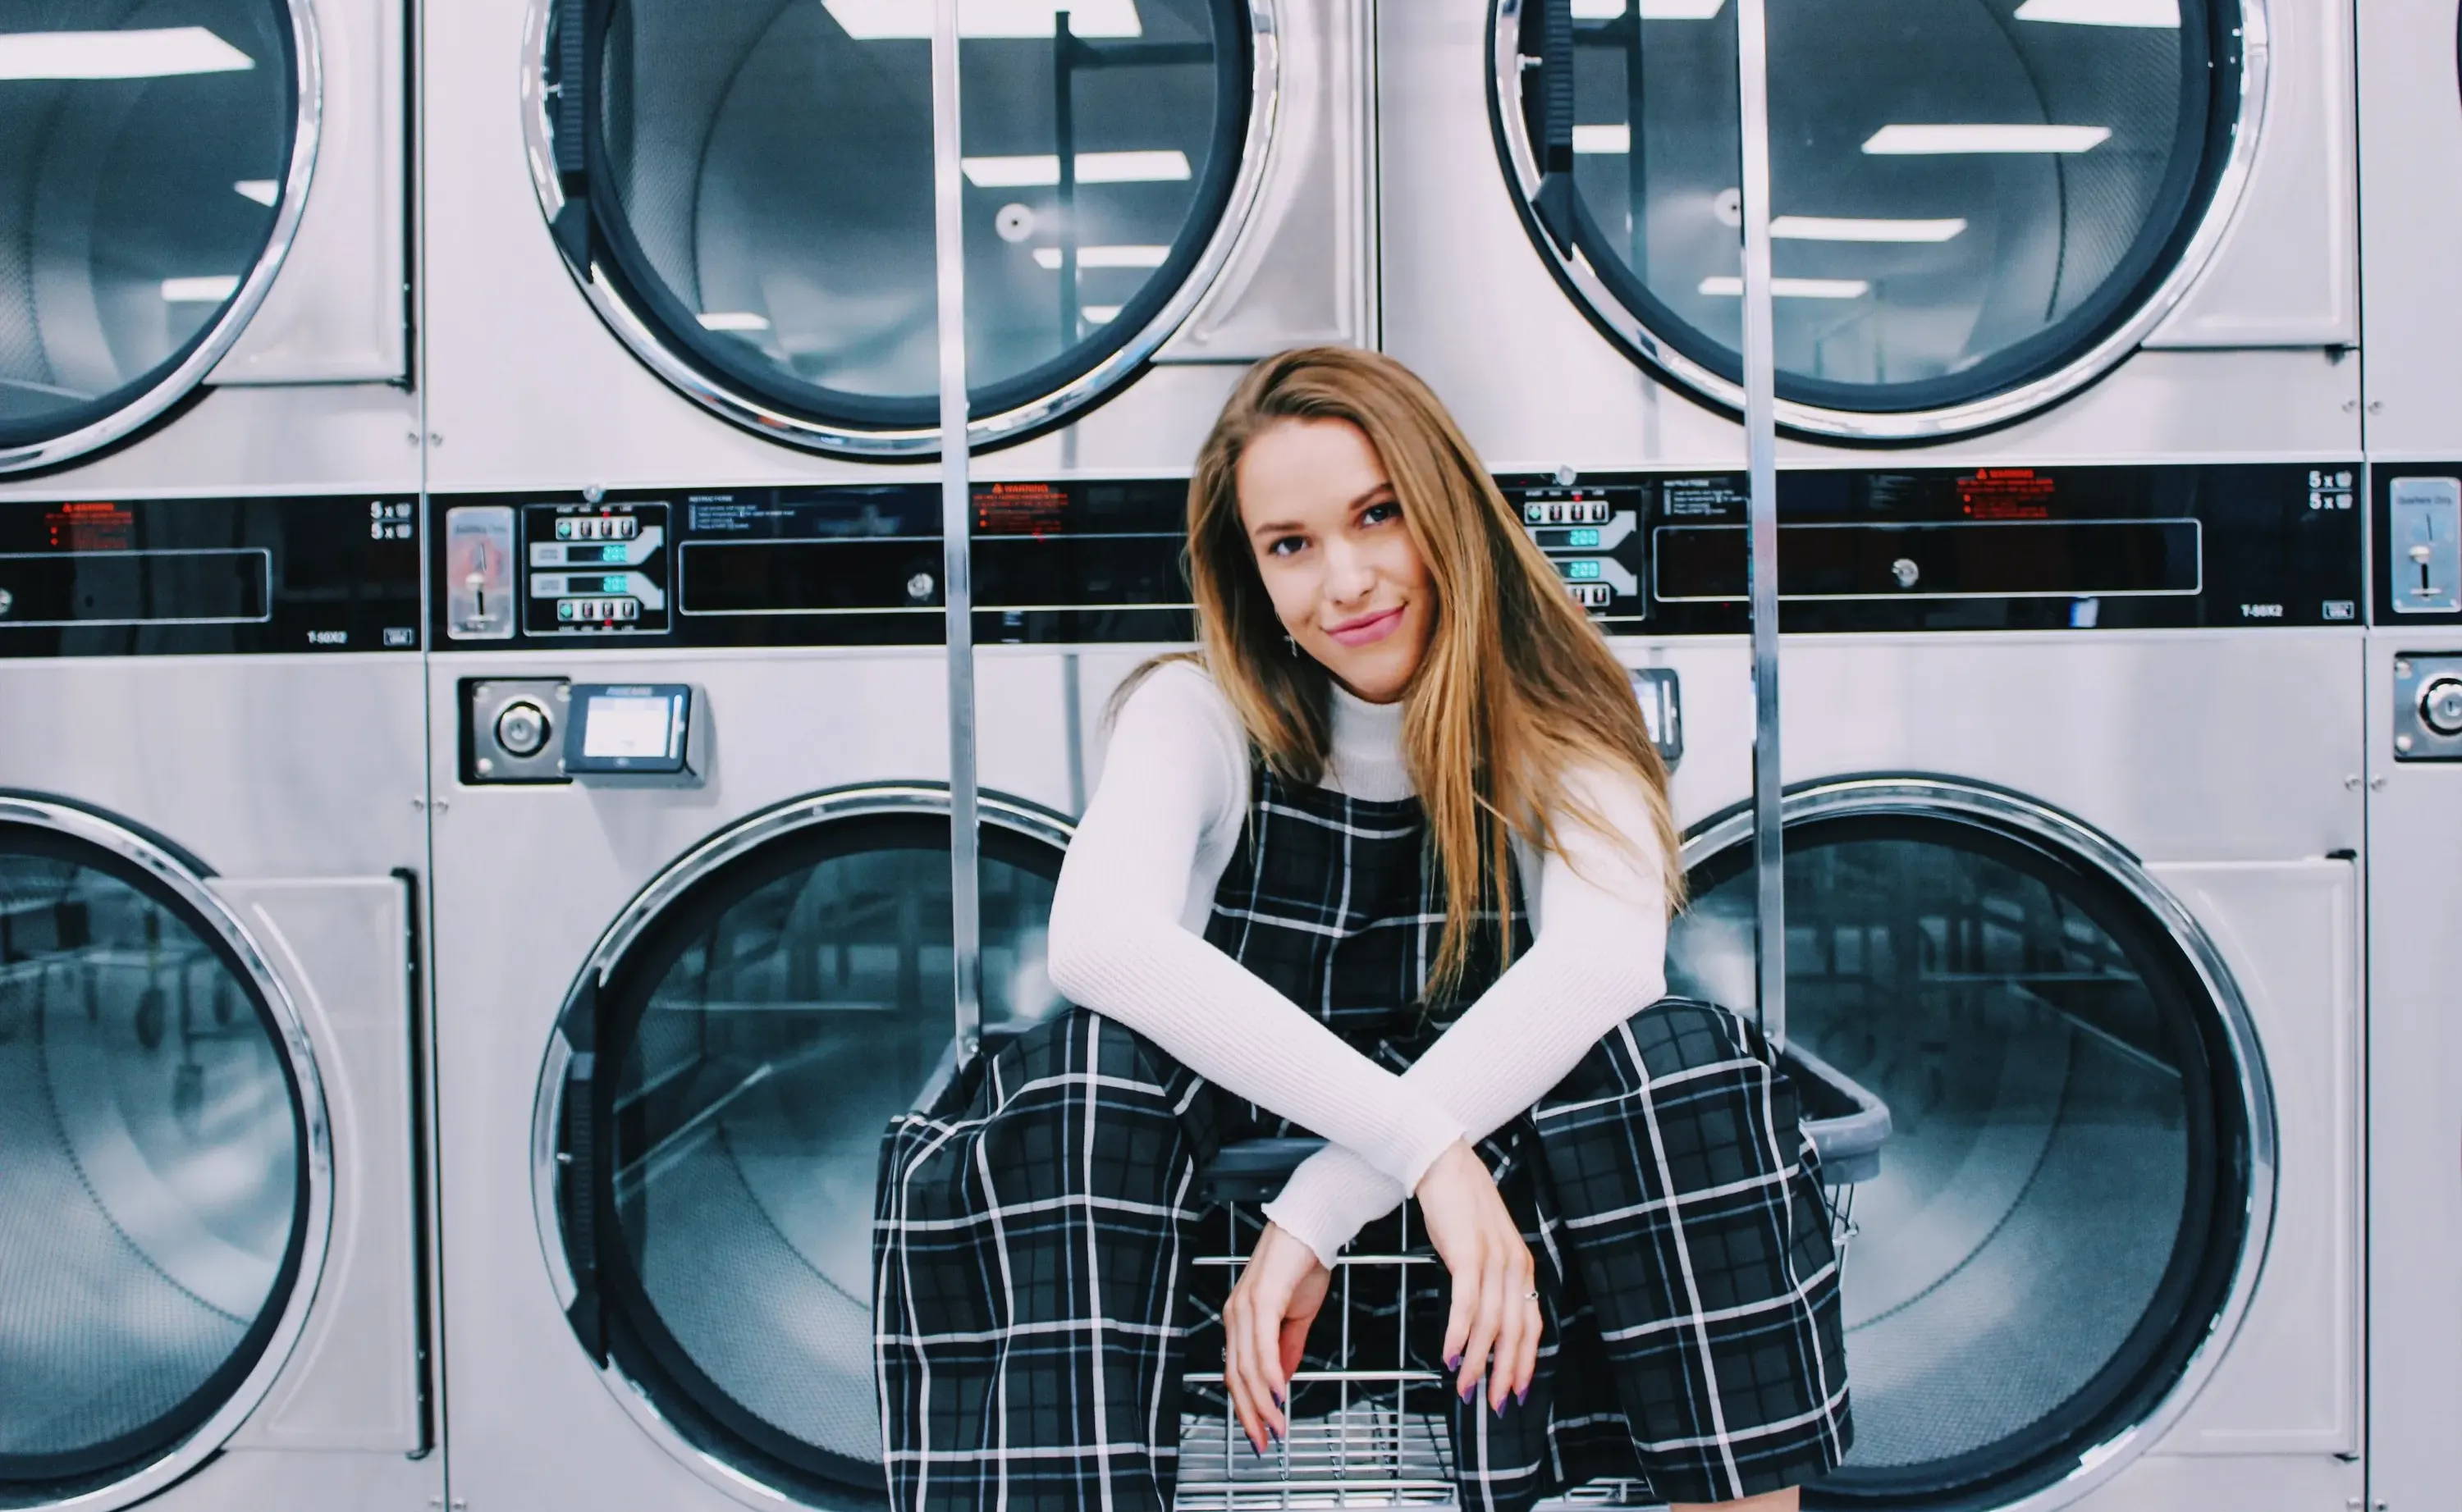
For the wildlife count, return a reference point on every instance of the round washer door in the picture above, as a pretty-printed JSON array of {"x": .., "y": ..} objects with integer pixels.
[
  {"x": 163, "y": 1200},
  {"x": 1977, "y": 208},
  {"x": 2073, "y": 1202},
  {"x": 154, "y": 159},
  {"x": 715, "y": 1105},
  {"x": 745, "y": 192}
]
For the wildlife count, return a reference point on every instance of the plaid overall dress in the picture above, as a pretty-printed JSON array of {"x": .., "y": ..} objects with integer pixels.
[{"x": 1033, "y": 1305}]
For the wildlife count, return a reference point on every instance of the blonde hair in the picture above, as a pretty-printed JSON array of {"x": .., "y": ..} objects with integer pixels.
[{"x": 1493, "y": 722}]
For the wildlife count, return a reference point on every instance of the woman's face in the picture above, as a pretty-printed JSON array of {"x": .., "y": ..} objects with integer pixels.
[{"x": 1346, "y": 577}]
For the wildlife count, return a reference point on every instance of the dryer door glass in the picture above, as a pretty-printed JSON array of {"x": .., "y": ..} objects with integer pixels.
[
  {"x": 152, "y": 1185},
  {"x": 760, "y": 1038},
  {"x": 1976, "y": 208},
  {"x": 748, "y": 197},
  {"x": 2060, "y": 1206},
  {"x": 143, "y": 153}
]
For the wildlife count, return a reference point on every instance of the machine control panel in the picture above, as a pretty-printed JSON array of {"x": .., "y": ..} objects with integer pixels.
[
  {"x": 1594, "y": 538},
  {"x": 595, "y": 568},
  {"x": 2427, "y": 706},
  {"x": 548, "y": 730},
  {"x": 1099, "y": 561}
]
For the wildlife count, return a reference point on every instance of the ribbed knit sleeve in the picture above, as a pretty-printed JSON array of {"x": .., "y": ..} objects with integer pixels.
[
  {"x": 1598, "y": 957},
  {"x": 1119, "y": 943}
]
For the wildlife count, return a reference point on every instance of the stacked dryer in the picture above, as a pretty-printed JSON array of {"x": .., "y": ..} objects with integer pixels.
[
  {"x": 2066, "y": 324},
  {"x": 2411, "y": 213},
  {"x": 689, "y": 738},
  {"x": 211, "y": 806}
]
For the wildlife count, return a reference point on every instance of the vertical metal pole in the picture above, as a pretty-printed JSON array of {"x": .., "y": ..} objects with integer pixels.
[
  {"x": 1761, "y": 444},
  {"x": 957, "y": 509}
]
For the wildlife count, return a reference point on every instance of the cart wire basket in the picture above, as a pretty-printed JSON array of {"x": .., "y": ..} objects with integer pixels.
[{"x": 1385, "y": 1444}]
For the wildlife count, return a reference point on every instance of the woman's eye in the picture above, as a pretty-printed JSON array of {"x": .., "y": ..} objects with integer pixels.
[
  {"x": 1378, "y": 513},
  {"x": 1277, "y": 549}
]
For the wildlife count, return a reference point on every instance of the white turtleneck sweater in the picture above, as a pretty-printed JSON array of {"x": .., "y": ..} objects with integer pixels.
[{"x": 1128, "y": 940}]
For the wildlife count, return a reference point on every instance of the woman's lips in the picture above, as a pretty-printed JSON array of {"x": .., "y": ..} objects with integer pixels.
[{"x": 1368, "y": 632}]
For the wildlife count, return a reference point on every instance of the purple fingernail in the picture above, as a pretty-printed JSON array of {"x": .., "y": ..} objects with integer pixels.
[
  {"x": 1521, "y": 1395},
  {"x": 1278, "y": 1399},
  {"x": 1467, "y": 1390},
  {"x": 1453, "y": 1362}
]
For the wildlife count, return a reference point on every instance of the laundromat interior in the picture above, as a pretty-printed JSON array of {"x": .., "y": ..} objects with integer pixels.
[{"x": 498, "y": 633}]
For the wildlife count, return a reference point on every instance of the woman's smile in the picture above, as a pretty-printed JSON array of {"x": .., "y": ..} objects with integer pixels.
[{"x": 1368, "y": 628}]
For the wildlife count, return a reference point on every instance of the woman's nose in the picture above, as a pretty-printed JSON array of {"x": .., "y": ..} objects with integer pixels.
[{"x": 1348, "y": 574}]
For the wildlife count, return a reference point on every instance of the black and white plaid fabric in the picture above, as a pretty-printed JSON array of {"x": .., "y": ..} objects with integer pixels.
[{"x": 1034, "y": 1305}]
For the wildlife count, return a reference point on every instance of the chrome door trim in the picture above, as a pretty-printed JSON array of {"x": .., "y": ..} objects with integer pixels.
[
  {"x": 860, "y": 801},
  {"x": 1991, "y": 808},
  {"x": 1521, "y": 174},
  {"x": 183, "y": 882},
  {"x": 306, "y": 126},
  {"x": 921, "y": 444}
]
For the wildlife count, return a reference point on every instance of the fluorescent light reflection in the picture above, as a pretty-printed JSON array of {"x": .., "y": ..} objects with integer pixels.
[
  {"x": 1912, "y": 140},
  {"x": 1733, "y": 288},
  {"x": 2161, "y": 13},
  {"x": 1834, "y": 229},
  {"x": 209, "y": 290},
  {"x": 1651, "y": 10},
  {"x": 261, "y": 190},
  {"x": 1092, "y": 167},
  {"x": 1106, "y": 256},
  {"x": 734, "y": 320},
  {"x": 1101, "y": 314},
  {"x": 1611, "y": 141},
  {"x": 117, "y": 54},
  {"x": 881, "y": 20}
]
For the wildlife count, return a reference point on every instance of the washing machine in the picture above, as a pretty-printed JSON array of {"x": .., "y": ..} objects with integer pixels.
[
  {"x": 2412, "y": 137},
  {"x": 211, "y": 833},
  {"x": 2018, "y": 231},
  {"x": 2074, "y": 829},
  {"x": 692, "y": 940},
  {"x": 677, "y": 243},
  {"x": 205, "y": 288}
]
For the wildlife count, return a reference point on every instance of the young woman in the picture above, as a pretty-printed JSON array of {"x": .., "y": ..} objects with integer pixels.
[{"x": 1388, "y": 861}]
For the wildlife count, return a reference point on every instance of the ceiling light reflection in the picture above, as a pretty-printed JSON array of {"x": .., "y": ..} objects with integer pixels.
[
  {"x": 1733, "y": 288},
  {"x": 1907, "y": 140},
  {"x": 154, "y": 54},
  {"x": 1837, "y": 228},
  {"x": 1106, "y": 256},
  {"x": 1092, "y": 167},
  {"x": 879, "y": 20}
]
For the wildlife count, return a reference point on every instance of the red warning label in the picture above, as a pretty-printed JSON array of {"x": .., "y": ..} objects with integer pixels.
[
  {"x": 89, "y": 526},
  {"x": 2005, "y": 493},
  {"x": 1020, "y": 509}
]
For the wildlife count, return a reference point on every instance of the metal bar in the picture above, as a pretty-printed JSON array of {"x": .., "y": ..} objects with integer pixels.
[
  {"x": 957, "y": 573},
  {"x": 1760, "y": 446}
]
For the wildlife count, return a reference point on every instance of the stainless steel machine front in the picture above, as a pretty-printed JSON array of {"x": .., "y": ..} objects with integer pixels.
[
  {"x": 208, "y": 204},
  {"x": 2026, "y": 230},
  {"x": 211, "y": 835}
]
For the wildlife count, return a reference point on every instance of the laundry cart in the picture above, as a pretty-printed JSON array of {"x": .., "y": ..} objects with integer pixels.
[{"x": 1385, "y": 1444}]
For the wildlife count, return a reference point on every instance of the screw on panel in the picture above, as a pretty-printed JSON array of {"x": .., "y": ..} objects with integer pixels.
[
  {"x": 2376, "y": 407},
  {"x": 2351, "y": 783},
  {"x": 435, "y": 438},
  {"x": 442, "y": 803},
  {"x": 2376, "y": 785}
]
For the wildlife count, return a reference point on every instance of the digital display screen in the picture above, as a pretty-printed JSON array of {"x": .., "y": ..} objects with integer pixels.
[
  {"x": 1585, "y": 570},
  {"x": 1551, "y": 540},
  {"x": 623, "y": 725},
  {"x": 599, "y": 553}
]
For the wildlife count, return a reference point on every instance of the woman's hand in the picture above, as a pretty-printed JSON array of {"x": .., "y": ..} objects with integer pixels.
[
  {"x": 1494, "y": 1313},
  {"x": 1265, "y": 1328}
]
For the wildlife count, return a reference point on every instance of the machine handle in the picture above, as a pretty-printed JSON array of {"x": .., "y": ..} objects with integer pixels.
[
  {"x": 576, "y": 1186},
  {"x": 1554, "y": 137},
  {"x": 581, "y": 31}
]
